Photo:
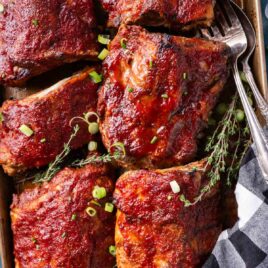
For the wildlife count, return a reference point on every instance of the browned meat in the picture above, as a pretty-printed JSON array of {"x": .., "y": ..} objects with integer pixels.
[
  {"x": 182, "y": 14},
  {"x": 51, "y": 227},
  {"x": 47, "y": 114},
  {"x": 39, "y": 35},
  {"x": 158, "y": 93},
  {"x": 154, "y": 228}
]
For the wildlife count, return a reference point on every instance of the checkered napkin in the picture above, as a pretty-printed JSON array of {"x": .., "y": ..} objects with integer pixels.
[{"x": 246, "y": 244}]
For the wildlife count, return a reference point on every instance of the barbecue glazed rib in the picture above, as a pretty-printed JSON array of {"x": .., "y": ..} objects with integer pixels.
[
  {"x": 38, "y": 35},
  {"x": 158, "y": 93},
  {"x": 47, "y": 114},
  {"x": 155, "y": 229},
  {"x": 52, "y": 229},
  {"x": 169, "y": 13}
]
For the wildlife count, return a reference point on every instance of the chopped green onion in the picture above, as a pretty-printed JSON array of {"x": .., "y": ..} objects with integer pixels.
[
  {"x": 99, "y": 192},
  {"x": 123, "y": 43},
  {"x": 95, "y": 203},
  {"x": 92, "y": 146},
  {"x": 89, "y": 114},
  {"x": 164, "y": 96},
  {"x": 175, "y": 187},
  {"x": 240, "y": 115},
  {"x": 151, "y": 64},
  {"x": 130, "y": 89},
  {"x": 194, "y": 169},
  {"x": 1, "y": 118},
  {"x": 26, "y": 130},
  {"x": 184, "y": 76},
  {"x": 93, "y": 128},
  {"x": 221, "y": 108},
  {"x": 34, "y": 240},
  {"x": 112, "y": 250},
  {"x": 103, "y": 54},
  {"x": 91, "y": 211},
  {"x": 43, "y": 140},
  {"x": 109, "y": 207},
  {"x": 63, "y": 234},
  {"x": 154, "y": 140},
  {"x": 2, "y": 8},
  {"x": 104, "y": 39},
  {"x": 73, "y": 217},
  {"x": 97, "y": 78},
  {"x": 35, "y": 22},
  {"x": 120, "y": 146}
]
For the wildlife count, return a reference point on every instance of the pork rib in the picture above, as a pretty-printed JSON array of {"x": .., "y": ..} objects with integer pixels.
[
  {"x": 51, "y": 227},
  {"x": 155, "y": 229},
  {"x": 158, "y": 93},
  {"x": 178, "y": 14},
  {"x": 38, "y": 35},
  {"x": 48, "y": 115}
]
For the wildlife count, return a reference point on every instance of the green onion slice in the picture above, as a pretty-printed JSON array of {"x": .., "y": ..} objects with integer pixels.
[
  {"x": 35, "y": 22},
  {"x": 89, "y": 114},
  {"x": 120, "y": 146},
  {"x": 27, "y": 131},
  {"x": 112, "y": 250},
  {"x": 97, "y": 78},
  {"x": 164, "y": 96},
  {"x": 154, "y": 140},
  {"x": 99, "y": 192},
  {"x": 1, "y": 118},
  {"x": 130, "y": 89},
  {"x": 104, "y": 39},
  {"x": 92, "y": 146},
  {"x": 109, "y": 207},
  {"x": 2, "y": 8},
  {"x": 73, "y": 218},
  {"x": 93, "y": 128},
  {"x": 95, "y": 203},
  {"x": 175, "y": 187},
  {"x": 103, "y": 54},
  {"x": 91, "y": 211},
  {"x": 184, "y": 76},
  {"x": 123, "y": 43},
  {"x": 43, "y": 140}
]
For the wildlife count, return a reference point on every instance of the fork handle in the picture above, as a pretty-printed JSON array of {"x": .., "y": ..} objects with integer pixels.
[
  {"x": 257, "y": 133},
  {"x": 262, "y": 104}
]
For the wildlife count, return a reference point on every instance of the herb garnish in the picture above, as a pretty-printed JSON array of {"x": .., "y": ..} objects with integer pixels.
[
  {"x": 219, "y": 146},
  {"x": 54, "y": 167}
]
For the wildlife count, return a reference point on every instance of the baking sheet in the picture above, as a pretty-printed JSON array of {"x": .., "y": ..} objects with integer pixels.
[{"x": 253, "y": 10}]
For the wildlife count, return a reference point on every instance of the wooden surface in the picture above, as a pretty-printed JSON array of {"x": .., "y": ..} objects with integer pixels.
[{"x": 253, "y": 9}]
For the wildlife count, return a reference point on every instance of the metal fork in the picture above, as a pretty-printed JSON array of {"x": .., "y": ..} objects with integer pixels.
[
  {"x": 229, "y": 30},
  {"x": 251, "y": 38}
]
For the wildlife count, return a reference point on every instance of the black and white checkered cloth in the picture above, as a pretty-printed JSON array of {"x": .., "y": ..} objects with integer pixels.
[{"x": 246, "y": 244}]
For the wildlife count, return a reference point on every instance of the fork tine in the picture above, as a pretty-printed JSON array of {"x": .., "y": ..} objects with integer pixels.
[
  {"x": 230, "y": 12},
  {"x": 221, "y": 19},
  {"x": 216, "y": 32},
  {"x": 205, "y": 32}
]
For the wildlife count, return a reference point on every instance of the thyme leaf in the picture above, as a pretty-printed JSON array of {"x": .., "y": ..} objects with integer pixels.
[
  {"x": 54, "y": 167},
  {"x": 219, "y": 148}
]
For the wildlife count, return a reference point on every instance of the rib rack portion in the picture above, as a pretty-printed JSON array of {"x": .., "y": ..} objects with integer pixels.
[
  {"x": 182, "y": 14},
  {"x": 159, "y": 91},
  {"x": 38, "y": 35},
  {"x": 154, "y": 229},
  {"x": 51, "y": 226},
  {"x": 33, "y": 130}
]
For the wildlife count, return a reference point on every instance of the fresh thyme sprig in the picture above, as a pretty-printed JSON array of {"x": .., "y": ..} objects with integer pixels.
[
  {"x": 219, "y": 146},
  {"x": 105, "y": 158},
  {"x": 54, "y": 167}
]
